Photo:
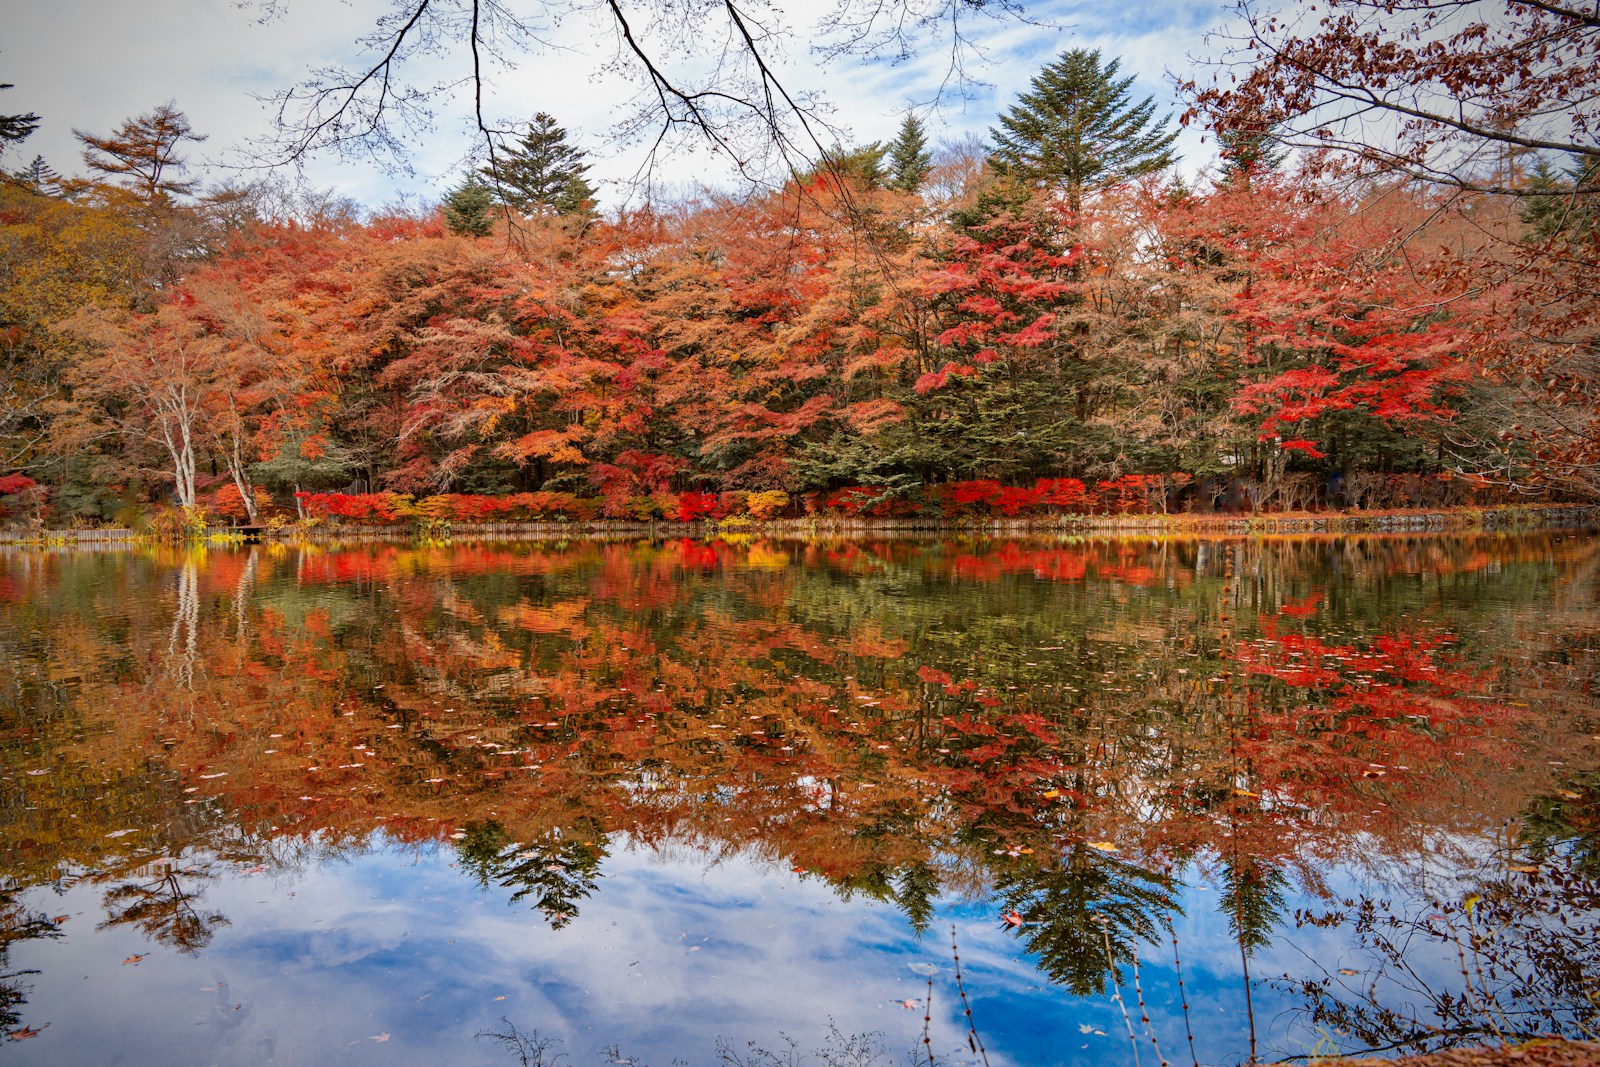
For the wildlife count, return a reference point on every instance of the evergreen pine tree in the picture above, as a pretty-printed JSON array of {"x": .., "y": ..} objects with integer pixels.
[
  {"x": 576, "y": 198},
  {"x": 909, "y": 158},
  {"x": 15, "y": 128},
  {"x": 863, "y": 164},
  {"x": 1248, "y": 152},
  {"x": 541, "y": 174},
  {"x": 38, "y": 175},
  {"x": 466, "y": 208},
  {"x": 1554, "y": 211},
  {"x": 1075, "y": 130}
]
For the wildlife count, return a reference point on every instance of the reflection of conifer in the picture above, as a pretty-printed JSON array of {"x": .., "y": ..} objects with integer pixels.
[
  {"x": 1252, "y": 899},
  {"x": 1071, "y": 910},
  {"x": 1567, "y": 824},
  {"x": 558, "y": 870},
  {"x": 915, "y": 890}
]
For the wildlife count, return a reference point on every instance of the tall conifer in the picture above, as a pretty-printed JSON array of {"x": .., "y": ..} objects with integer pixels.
[
  {"x": 909, "y": 158},
  {"x": 541, "y": 173},
  {"x": 1076, "y": 130},
  {"x": 466, "y": 208}
]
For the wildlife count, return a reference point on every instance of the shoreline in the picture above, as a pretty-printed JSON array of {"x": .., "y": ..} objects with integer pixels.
[{"x": 1506, "y": 518}]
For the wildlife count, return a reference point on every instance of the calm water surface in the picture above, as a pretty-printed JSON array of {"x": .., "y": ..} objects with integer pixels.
[{"x": 647, "y": 802}]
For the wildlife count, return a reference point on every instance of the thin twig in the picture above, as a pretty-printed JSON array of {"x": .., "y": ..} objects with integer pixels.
[
  {"x": 974, "y": 1042},
  {"x": 1144, "y": 1012},
  {"x": 1116, "y": 993},
  {"x": 1183, "y": 1000}
]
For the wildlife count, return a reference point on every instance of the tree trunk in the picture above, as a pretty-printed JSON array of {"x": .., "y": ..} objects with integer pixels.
[{"x": 240, "y": 482}]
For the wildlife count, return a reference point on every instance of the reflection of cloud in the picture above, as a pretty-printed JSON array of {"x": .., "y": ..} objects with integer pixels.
[
  {"x": 671, "y": 953},
  {"x": 667, "y": 957}
]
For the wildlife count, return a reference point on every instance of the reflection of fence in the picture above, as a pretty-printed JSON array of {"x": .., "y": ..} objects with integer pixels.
[{"x": 22, "y": 533}]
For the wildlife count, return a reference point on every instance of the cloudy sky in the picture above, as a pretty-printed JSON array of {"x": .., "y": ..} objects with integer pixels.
[{"x": 90, "y": 64}]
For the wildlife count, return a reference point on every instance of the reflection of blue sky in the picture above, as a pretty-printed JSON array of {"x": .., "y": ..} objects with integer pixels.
[{"x": 398, "y": 957}]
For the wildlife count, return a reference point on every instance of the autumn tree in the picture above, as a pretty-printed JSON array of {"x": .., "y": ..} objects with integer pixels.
[
  {"x": 1076, "y": 130},
  {"x": 57, "y": 258},
  {"x": 144, "y": 153},
  {"x": 1430, "y": 89},
  {"x": 147, "y": 376},
  {"x": 1458, "y": 97}
]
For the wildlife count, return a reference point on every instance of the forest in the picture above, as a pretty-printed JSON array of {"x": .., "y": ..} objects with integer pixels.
[{"x": 1054, "y": 319}]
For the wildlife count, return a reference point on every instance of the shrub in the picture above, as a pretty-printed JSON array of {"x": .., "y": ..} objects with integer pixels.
[
  {"x": 766, "y": 504},
  {"x": 226, "y": 503}
]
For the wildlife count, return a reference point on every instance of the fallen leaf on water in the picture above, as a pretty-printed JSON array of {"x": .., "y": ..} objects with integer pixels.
[
  {"x": 135, "y": 959},
  {"x": 1103, "y": 846}
]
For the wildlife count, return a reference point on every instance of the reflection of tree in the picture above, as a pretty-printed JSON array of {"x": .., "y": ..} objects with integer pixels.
[
  {"x": 1567, "y": 823},
  {"x": 1070, "y": 909},
  {"x": 162, "y": 909},
  {"x": 183, "y": 644},
  {"x": 882, "y": 718},
  {"x": 1516, "y": 960},
  {"x": 1252, "y": 899},
  {"x": 557, "y": 870},
  {"x": 915, "y": 889},
  {"x": 17, "y": 924}
]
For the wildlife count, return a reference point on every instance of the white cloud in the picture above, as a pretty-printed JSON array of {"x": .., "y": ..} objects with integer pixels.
[{"x": 89, "y": 64}]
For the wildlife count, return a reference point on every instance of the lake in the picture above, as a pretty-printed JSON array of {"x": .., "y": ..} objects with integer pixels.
[{"x": 728, "y": 801}]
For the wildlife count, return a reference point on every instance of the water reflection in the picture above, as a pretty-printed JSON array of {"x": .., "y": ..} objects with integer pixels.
[{"x": 1275, "y": 762}]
